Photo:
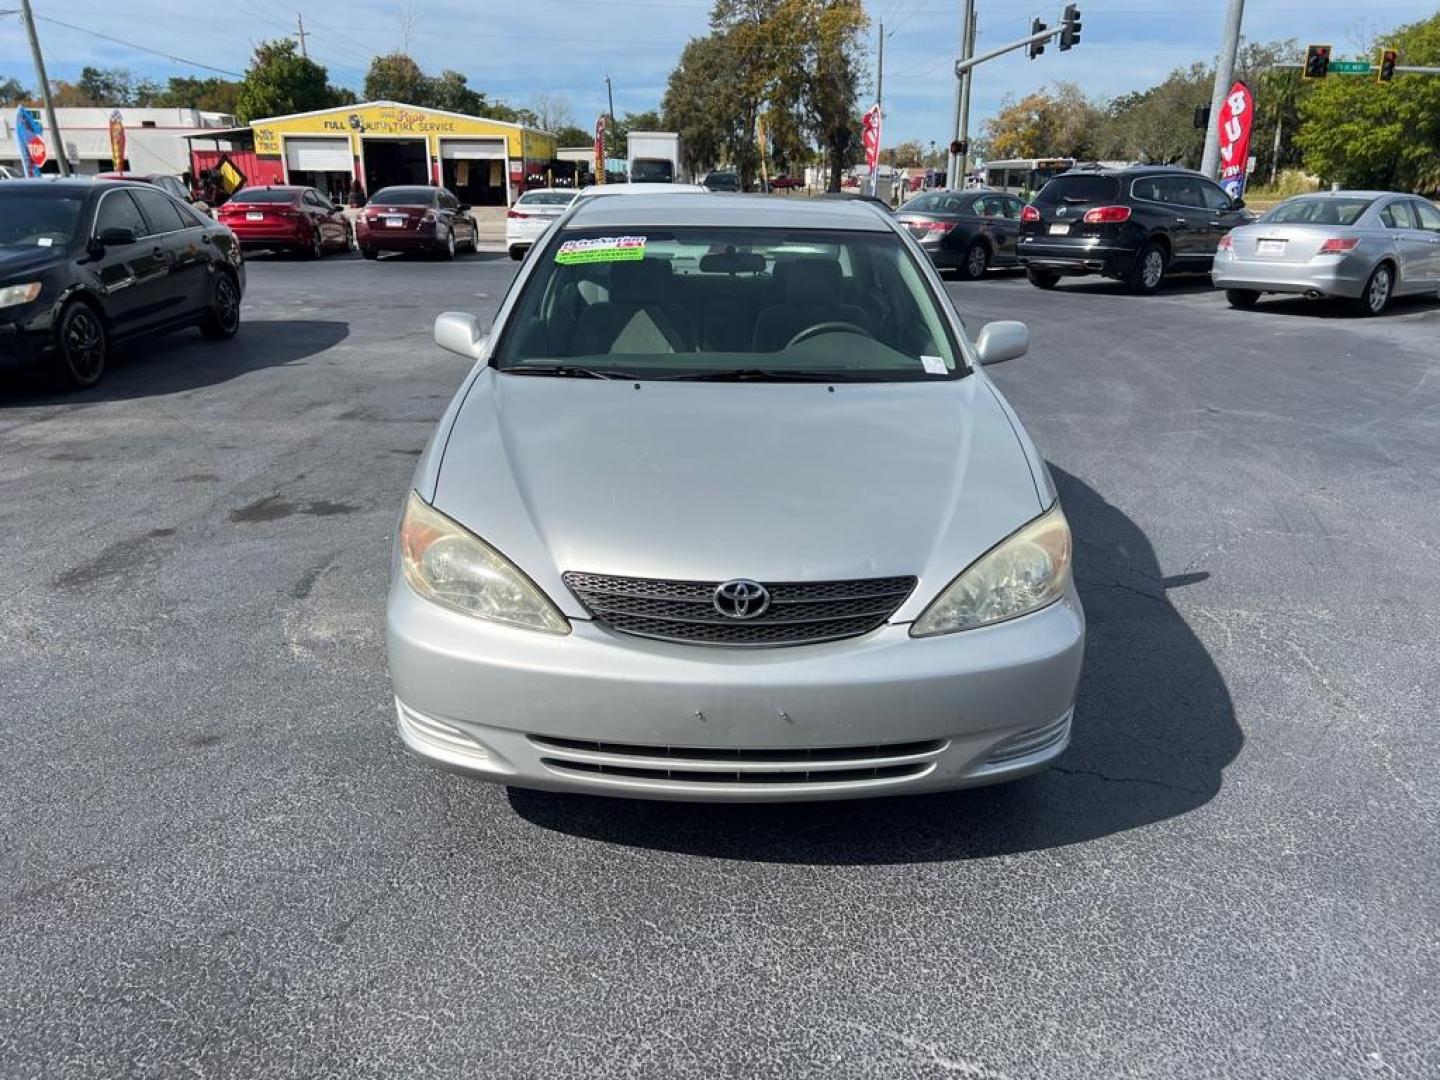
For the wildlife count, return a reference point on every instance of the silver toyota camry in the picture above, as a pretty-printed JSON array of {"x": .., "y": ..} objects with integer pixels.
[
  {"x": 1366, "y": 246},
  {"x": 728, "y": 509}
]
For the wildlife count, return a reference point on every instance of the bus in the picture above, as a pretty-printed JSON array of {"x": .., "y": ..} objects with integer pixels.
[{"x": 1023, "y": 176}]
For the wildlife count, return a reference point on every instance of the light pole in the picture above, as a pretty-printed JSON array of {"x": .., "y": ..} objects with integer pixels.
[
  {"x": 1224, "y": 75},
  {"x": 29, "y": 17}
]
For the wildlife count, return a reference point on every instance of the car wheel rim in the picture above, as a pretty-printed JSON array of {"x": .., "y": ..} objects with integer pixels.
[
  {"x": 84, "y": 345},
  {"x": 977, "y": 261},
  {"x": 1154, "y": 267},
  {"x": 450, "y": 243},
  {"x": 1379, "y": 289},
  {"x": 227, "y": 304}
]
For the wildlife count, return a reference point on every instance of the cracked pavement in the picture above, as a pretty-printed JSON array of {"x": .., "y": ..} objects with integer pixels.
[{"x": 216, "y": 859}]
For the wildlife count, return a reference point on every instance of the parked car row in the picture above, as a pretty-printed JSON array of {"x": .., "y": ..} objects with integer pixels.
[{"x": 1139, "y": 224}]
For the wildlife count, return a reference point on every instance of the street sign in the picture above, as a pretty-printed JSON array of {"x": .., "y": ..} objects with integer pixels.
[
  {"x": 36, "y": 146},
  {"x": 1350, "y": 67}
]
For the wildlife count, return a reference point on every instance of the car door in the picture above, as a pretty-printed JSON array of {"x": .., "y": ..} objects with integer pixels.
[
  {"x": 1191, "y": 226},
  {"x": 174, "y": 227},
  {"x": 1009, "y": 223},
  {"x": 324, "y": 216},
  {"x": 1403, "y": 237},
  {"x": 1222, "y": 214},
  {"x": 133, "y": 278},
  {"x": 1428, "y": 217}
]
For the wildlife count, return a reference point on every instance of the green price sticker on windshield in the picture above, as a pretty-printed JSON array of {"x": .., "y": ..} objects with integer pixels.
[{"x": 604, "y": 249}]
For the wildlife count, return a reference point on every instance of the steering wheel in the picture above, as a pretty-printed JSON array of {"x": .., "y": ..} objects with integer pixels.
[{"x": 834, "y": 327}]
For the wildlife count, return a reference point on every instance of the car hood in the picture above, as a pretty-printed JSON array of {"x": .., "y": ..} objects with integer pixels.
[
  {"x": 20, "y": 260},
  {"x": 711, "y": 481}
]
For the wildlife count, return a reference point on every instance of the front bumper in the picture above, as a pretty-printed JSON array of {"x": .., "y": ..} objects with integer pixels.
[
  {"x": 26, "y": 335},
  {"x": 605, "y": 713},
  {"x": 1334, "y": 276}
]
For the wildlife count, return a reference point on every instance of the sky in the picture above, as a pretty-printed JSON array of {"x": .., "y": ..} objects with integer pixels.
[{"x": 514, "y": 49}]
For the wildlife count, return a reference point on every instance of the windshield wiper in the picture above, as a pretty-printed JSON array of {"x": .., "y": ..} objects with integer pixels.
[
  {"x": 761, "y": 375},
  {"x": 565, "y": 371}
]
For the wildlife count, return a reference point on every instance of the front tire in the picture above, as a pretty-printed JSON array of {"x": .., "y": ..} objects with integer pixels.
[
  {"x": 83, "y": 346},
  {"x": 1148, "y": 271},
  {"x": 447, "y": 252},
  {"x": 316, "y": 250},
  {"x": 1242, "y": 298},
  {"x": 1378, "y": 290},
  {"x": 369, "y": 252},
  {"x": 976, "y": 262},
  {"x": 1042, "y": 279},
  {"x": 474, "y": 236},
  {"x": 223, "y": 318},
  {"x": 517, "y": 253}
]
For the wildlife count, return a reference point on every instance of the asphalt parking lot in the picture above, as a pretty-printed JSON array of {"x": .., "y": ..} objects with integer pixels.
[{"x": 216, "y": 859}]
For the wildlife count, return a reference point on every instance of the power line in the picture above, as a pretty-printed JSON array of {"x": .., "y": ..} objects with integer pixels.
[{"x": 140, "y": 48}]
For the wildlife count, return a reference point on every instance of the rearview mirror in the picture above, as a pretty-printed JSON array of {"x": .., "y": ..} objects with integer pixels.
[
  {"x": 116, "y": 236},
  {"x": 1001, "y": 341},
  {"x": 459, "y": 333}
]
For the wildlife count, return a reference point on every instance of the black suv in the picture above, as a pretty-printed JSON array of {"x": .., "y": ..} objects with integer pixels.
[{"x": 1136, "y": 224}]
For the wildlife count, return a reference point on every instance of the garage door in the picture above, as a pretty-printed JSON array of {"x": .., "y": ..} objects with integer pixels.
[
  {"x": 472, "y": 149},
  {"x": 318, "y": 155}
]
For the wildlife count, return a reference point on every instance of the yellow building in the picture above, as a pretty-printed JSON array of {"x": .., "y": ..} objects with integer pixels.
[{"x": 484, "y": 162}]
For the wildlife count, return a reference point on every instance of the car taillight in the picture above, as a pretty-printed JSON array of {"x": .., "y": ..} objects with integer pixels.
[
  {"x": 429, "y": 216},
  {"x": 1107, "y": 215},
  {"x": 1225, "y": 243},
  {"x": 1339, "y": 245},
  {"x": 938, "y": 226},
  {"x": 515, "y": 214},
  {"x": 1029, "y": 213}
]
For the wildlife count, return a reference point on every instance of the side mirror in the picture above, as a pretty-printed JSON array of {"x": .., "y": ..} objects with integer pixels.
[
  {"x": 464, "y": 206},
  {"x": 116, "y": 236},
  {"x": 1237, "y": 204},
  {"x": 1001, "y": 341},
  {"x": 460, "y": 333}
]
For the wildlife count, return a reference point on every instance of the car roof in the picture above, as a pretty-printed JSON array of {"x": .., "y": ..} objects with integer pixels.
[
  {"x": 79, "y": 184},
  {"x": 641, "y": 188},
  {"x": 754, "y": 211},
  {"x": 548, "y": 191},
  {"x": 1351, "y": 195}
]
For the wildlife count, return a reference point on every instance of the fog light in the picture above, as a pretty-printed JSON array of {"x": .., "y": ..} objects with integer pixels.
[{"x": 436, "y": 733}]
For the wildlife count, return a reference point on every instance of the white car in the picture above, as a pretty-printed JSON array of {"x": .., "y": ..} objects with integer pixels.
[
  {"x": 533, "y": 213},
  {"x": 642, "y": 188}
]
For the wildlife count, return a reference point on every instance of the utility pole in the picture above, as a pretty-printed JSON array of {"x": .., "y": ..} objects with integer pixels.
[
  {"x": 962, "y": 86},
  {"x": 964, "y": 168},
  {"x": 29, "y": 17},
  {"x": 1224, "y": 76},
  {"x": 879, "y": 105},
  {"x": 301, "y": 34}
]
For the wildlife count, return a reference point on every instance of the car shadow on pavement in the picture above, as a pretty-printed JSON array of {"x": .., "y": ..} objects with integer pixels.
[
  {"x": 1331, "y": 308},
  {"x": 1155, "y": 728},
  {"x": 1174, "y": 285},
  {"x": 185, "y": 361}
]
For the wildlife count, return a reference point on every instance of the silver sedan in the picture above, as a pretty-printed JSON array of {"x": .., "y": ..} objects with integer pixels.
[
  {"x": 1366, "y": 246},
  {"x": 728, "y": 509}
]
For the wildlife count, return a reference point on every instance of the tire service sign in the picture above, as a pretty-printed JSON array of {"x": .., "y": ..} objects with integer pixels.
[{"x": 1237, "y": 118}]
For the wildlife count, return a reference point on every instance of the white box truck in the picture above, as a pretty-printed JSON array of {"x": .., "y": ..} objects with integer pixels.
[{"x": 653, "y": 157}]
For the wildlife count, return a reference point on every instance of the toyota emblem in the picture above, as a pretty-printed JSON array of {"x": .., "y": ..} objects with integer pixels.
[{"x": 741, "y": 598}]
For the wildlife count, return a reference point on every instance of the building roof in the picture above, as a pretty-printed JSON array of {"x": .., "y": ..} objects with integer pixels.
[
  {"x": 396, "y": 105},
  {"x": 714, "y": 208}
]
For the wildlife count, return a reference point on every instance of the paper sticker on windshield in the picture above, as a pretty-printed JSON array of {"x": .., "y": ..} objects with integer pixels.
[
  {"x": 934, "y": 365},
  {"x": 603, "y": 249}
]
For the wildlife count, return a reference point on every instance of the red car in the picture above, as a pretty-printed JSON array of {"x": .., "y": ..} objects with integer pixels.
[
  {"x": 427, "y": 219},
  {"x": 289, "y": 218},
  {"x": 785, "y": 183}
]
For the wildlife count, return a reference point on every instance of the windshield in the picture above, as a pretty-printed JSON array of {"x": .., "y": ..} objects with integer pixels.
[
  {"x": 547, "y": 198},
  {"x": 1079, "y": 189},
  {"x": 1321, "y": 211},
  {"x": 38, "y": 218},
  {"x": 404, "y": 196},
  {"x": 652, "y": 171},
  {"x": 720, "y": 302},
  {"x": 265, "y": 195}
]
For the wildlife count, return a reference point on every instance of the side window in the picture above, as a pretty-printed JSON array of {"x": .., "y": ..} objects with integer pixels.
[
  {"x": 192, "y": 219},
  {"x": 311, "y": 199},
  {"x": 1214, "y": 196},
  {"x": 1013, "y": 208},
  {"x": 1151, "y": 188},
  {"x": 1396, "y": 215},
  {"x": 1428, "y": 215},
  {"x": 118, "y": 211},
  {"x": 986, "y": 207},
  {"x": 1185, "y": 191},
  {"x": 159, "y": 211}
]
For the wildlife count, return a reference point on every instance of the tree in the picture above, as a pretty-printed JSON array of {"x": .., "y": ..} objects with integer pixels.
[
  {"x": 451, "y": 91},
  {"x": 1367, "y": 136},
  {"x": 281, "y": 81},
  {"x": 552, "y": 111},
  {"x": 12, "y": 93},
  {"x": 396, "y": 77},
  {"x": 207, "y": 95},
  {"x": 1058, "y": 122},
  {"x": 571, "y": 135}
]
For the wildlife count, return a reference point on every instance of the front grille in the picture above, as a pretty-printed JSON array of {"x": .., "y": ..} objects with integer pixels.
[
  {"x": 764, "y": 766},
  {"x": 800, "y": 613}
]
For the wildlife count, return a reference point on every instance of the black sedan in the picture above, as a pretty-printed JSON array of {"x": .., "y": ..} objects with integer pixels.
[
  {"x": 86, "y": 265},
  {"x": 969, "y": 231}
]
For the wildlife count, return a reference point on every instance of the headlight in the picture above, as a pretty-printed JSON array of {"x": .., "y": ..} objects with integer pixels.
[
  {"x": 448, "y": 564},
  {"x": 1021, "y": 574},
  {"x": 11, "y": 295}
]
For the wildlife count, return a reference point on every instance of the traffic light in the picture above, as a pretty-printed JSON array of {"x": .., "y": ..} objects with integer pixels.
[
  {"x": 1388, "y": 59},
  {"x": 1202, "y": 117},
  {"x": 1070, "y": 28},
  {"x": 1317, "y": 62},
  {"x": 1037, "y": 47}
]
